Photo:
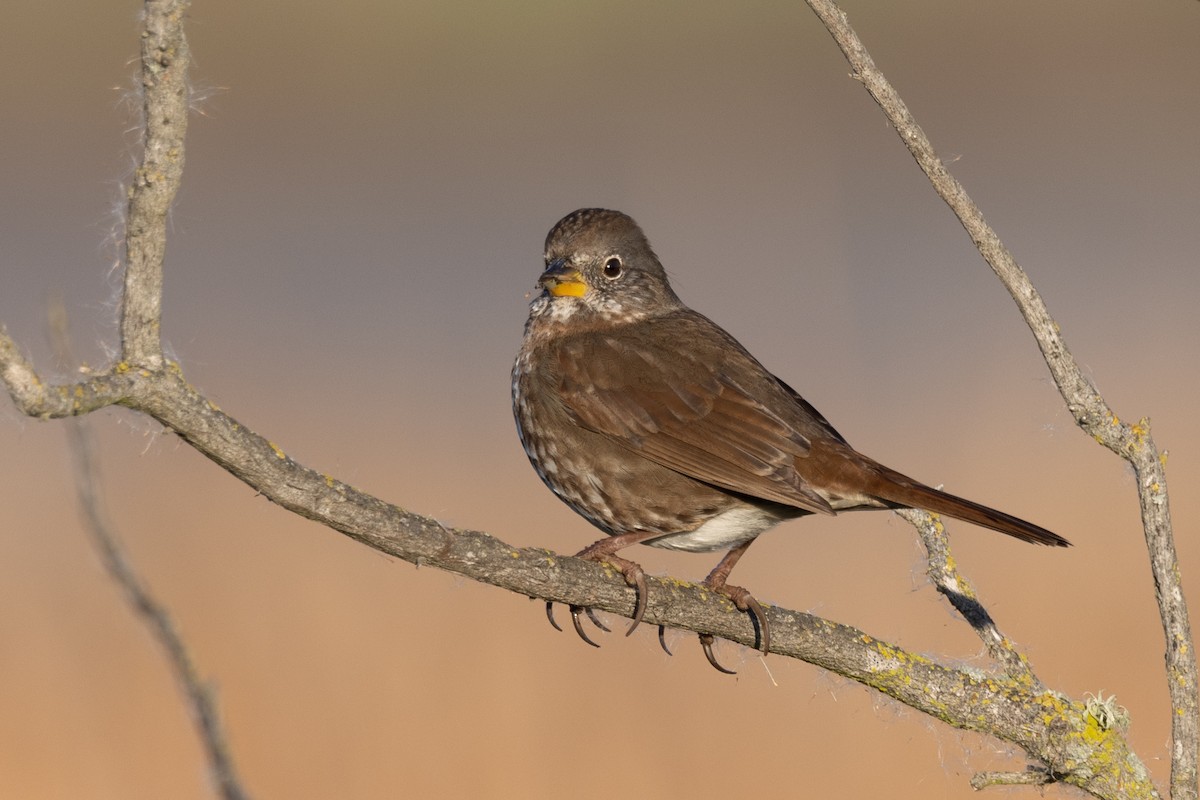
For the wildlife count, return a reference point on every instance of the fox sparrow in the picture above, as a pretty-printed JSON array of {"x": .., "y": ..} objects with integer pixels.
[{"x": 659, "y": 428}]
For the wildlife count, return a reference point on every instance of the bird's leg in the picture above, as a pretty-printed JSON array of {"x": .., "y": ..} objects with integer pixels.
[
  {"x": 742, "y": 599},
  {"x": 603, "y": 552}
]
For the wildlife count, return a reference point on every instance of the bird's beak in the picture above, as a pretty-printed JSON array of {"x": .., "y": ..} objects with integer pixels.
[{"x": 561, "y": 280}]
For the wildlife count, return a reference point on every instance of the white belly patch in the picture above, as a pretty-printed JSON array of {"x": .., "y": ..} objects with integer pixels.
[{"x": 723, "y": 532}]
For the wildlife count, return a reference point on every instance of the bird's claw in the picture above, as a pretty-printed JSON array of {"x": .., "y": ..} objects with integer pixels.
[
  {"x": 591, "y": 612},
  {"x": 575, "y": 610},
  {"x": 550, "y": 616},
  {"x": 745, "y": 602},
  {"x": 634, "y": 575},
  {"x": 762, "y": 630},
  {"x": 706, "y": 641}
]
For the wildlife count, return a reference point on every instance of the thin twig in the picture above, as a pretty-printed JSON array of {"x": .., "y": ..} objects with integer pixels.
[
  {"x": 157, "y": 619},
  {"x": 961, "y": 594},
  {"x": 1130, "y": 441},
  {"x": 103, "y": 533},
  {"x": 1031, "y": 777}
]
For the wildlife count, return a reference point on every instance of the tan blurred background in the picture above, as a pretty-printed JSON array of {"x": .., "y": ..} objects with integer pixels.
[{"x": 367, "y": 189}]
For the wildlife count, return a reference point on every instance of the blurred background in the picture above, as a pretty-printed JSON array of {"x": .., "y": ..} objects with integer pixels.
[{"x": 367, "y": 190}]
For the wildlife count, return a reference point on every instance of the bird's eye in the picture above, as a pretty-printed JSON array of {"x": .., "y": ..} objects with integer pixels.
[{"x": 612, "y": 268}]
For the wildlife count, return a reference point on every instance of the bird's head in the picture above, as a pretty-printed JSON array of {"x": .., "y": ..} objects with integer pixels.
[{"x": 598, "y": 262}]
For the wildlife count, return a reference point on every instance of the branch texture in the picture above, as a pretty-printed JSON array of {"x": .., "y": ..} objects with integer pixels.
[{"x": 157, "y": 178}]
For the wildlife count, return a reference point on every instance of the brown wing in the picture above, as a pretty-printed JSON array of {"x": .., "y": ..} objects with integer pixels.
[
  {"x": 816, "y": 416},
  {"x": 693, "y": 400}
]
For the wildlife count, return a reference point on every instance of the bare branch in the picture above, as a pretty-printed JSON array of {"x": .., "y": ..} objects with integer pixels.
[
  {"x": 156, "y": 180},
  {"x": 158, "y": 620},
  {"x": 1130, "y": 441},
  {"x": 961, "y": 594},
  {"x": 37, "y": 399}
]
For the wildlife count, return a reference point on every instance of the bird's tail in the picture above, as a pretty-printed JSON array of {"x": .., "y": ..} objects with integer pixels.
[{"x": 901, "y": 491}]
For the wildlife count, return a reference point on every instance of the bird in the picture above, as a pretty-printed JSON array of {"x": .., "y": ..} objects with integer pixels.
[{"x": 658, "y": 427}]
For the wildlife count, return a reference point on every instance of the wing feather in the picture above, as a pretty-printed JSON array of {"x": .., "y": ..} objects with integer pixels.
[{"x": 690, "y": 415}]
